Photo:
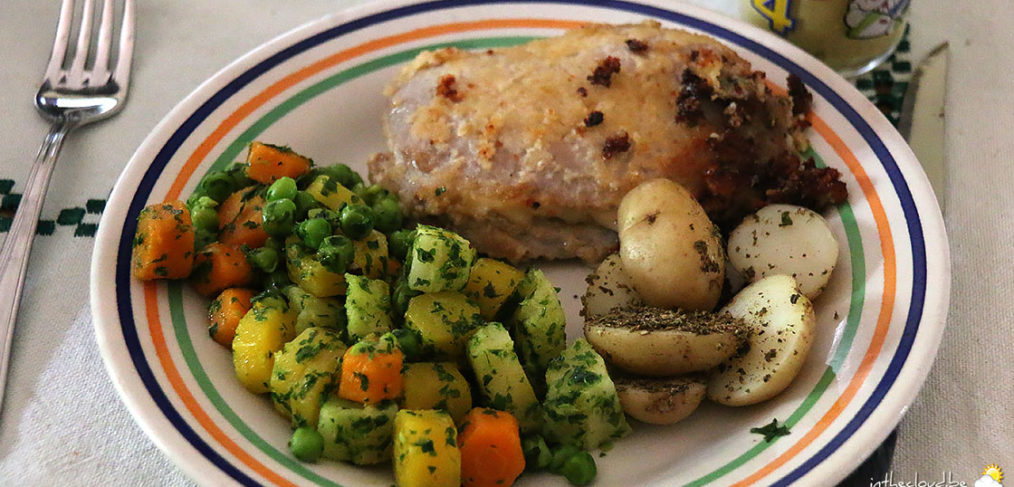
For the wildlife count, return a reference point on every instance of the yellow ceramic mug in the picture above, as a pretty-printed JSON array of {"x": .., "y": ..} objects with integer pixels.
[{"x": 851, "y": 36}]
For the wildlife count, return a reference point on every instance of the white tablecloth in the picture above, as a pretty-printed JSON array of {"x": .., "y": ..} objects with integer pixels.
[{"x": 63, "y": 423}]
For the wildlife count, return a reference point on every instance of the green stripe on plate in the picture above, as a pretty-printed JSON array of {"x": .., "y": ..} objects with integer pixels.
[{"x": 258, "y": 127}]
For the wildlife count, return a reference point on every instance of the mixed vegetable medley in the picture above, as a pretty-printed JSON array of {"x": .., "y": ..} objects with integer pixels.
[{"x": 381, "y": 343}]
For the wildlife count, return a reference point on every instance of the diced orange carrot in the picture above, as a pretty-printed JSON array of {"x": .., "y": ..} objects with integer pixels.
[
  {"x": 269, "y": 163},
  {"x": 239, "y": 219},
  {"x": 371, "y": 372},
  {"x": 219, "y": 266},
  {"x": 164, "y": 242},
  {"x": 225, "y": 312},
  {"x": 490, "y": 444}
]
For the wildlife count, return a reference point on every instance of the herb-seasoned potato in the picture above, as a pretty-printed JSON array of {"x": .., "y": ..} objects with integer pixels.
[
  {"x": 609, "y": 287},
  {"x": 443, "y": 322},
  {"x": 313, "y": 311},
  {"x": 660, "y": 343},
  {"x": 303, "y": 374},
  {"x": 259, "y": 335},
  {"x": 371, "y": 255},
  {"x": 500, "y": 377},
  {"x": 367, "y": 306},
  {"x": 309, "y": 273},
  {"x": 490, "y": 283},
  {"x": 660, "y": 401},
  {"x": 669, "y": 247},
  {"x": 426, "y": 449},
  {"x": 440, "y": 260},
  {"x": 436, "y": 385},
  {"x": 782, "y": 321},
  {"x": 357, "y": 433},
  {"x": 581, "y": 406},
  {"x": 785, "y": 239}
]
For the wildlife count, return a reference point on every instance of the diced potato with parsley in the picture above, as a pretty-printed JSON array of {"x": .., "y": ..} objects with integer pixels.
[
  {"x": 304, "y": 374},
  {"x": 581, "y": 405},
  {"x": 331, "y": 194},
  {"x": 357, "y": 433},
  {"x": 371, "y": 255},
  {"x": 426, "y": 449},
  {"x": 440, "y": 260},
  {"x": 309, "y": 273},
  {"x": 490, "y": 283},
  {"x": 367, "y": 306},
  {"x": 540, "y": 324},
  {"x": 260, "y": 334},
  {"x": 500, "y": 377},
  {"x": 436, "y": 385},
  {"x": 312, "y": 311},
  {"x": 443, "y": 322}
]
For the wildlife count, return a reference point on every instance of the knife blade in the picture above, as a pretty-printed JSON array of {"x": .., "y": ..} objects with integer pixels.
[{"x": 922, "y": 117}]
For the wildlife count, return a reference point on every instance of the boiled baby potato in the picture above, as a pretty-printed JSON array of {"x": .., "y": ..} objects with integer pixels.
[
  {"x": 660, "y": 401},
  {"x": 669, "y": 248},
  {"x": 660, "y": 342},
  {"x": 785, "y": 239},
  {"x": 608, "y": 288},
  {"x": 782, "y": 323}
]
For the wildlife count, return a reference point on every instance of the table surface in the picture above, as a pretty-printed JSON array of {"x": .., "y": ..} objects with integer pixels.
[{"x": 63, "y": 423}]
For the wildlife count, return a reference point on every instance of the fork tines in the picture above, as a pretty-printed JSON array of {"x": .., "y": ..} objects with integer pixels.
[{"x": 83, "y": 66}]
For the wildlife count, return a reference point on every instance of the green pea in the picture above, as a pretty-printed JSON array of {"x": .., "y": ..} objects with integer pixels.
[
  {"x": 343, "y": 175},
  {"x": 237, "y": 172},
  {"x": 278, "y": 217},
  {"x": 560, "y": 457},
  {"x": 401, "y": 295},
  {"x": 277, "y": 280},
  {"x": 388, "y": 215},
  {"x": 283, "y": 188},
  {"x": 579, "y": 469},
  {"x": 264, "y": 258},
  {"x": 372, "y": 194},
  {"x": 313, "y": 231},
  {"x": 217, "y": 185},
  {"x": 409, "y": 342},
  {"x": 304, "y": 203},
  {"x": 205, "y": 219},
  {"x": 357, "y": 221},
  {"x": 306, "y": 444},
  {"x": 537, "y": 452},
  {"x": 274, "y": 243},
  {"x": 336, "y": 253},
  {"x": 400, "y": 242}
]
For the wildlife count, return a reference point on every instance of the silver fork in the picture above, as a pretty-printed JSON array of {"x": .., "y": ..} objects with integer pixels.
[{"x": 69, "y": 97}]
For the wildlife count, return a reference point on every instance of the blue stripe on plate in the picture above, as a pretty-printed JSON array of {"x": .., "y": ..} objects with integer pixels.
[{"x": 193, "y": 121}]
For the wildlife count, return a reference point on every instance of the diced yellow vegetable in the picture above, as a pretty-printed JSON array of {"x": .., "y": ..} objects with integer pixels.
[
  {"x": 500, "y": 377},
  {"x": 331, "y": 194},
  {"x": 304, "y": 370},
  {"x": 436, "y": 385},
  {"x": 490, "y": 283},
  {"x": 444, "y": 321},
  {"x": 259, "y": 335},
  {"x": 426, "y": 449},
  {"x": 371, "y": 255},
  {"x": 367, "y": 306},
  {"x": 309, "y": 273}
]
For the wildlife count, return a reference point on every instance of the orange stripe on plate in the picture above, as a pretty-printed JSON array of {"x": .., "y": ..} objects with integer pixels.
[
  {"x": 883, "y": 321},
  {"x": 287, "y": 82},
  {"x": 151, "y": 290},
  {"x": 157, "y": 338}
]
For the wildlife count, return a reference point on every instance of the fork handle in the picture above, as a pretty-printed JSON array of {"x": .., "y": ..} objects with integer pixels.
[{"x": 18, "y": 245}]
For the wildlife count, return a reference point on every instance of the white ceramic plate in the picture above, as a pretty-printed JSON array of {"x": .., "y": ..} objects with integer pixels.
[{"x": 318, "y": 89}]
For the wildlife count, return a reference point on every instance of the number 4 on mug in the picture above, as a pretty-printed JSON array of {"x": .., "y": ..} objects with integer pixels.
[{"x": 777, "y": 13}]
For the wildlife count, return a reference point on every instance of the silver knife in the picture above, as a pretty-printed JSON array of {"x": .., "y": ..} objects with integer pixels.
[{"x": 922, "y": 117}]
